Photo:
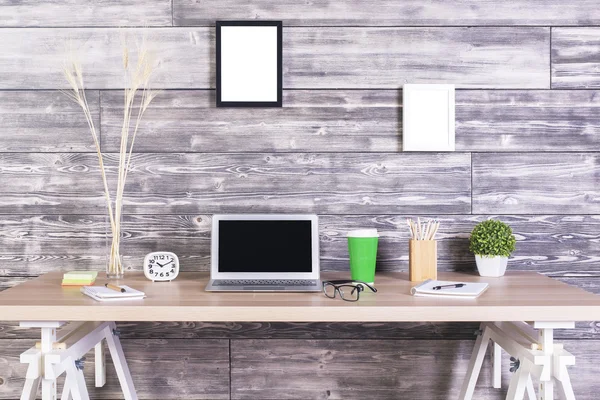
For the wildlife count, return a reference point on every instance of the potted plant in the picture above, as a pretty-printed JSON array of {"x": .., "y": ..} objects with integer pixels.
[{"x": 492, "y": 242}]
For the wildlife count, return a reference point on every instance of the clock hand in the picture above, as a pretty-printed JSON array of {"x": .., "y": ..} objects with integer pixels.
[
  {"x": 159, "y": 264},
  {"x": 166, "y": 263}
]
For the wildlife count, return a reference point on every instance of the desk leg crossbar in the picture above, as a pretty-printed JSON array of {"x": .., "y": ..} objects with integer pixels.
[
  {"x": 533, "y": 354},
  {"x": 65, "y": 353}
]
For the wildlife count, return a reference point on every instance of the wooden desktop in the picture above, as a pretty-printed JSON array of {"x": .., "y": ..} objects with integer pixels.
[{"x": 545, "y": 304}]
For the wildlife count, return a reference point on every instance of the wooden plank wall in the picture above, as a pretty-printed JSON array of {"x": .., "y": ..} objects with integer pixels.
[{"x": 527, "y": 134}]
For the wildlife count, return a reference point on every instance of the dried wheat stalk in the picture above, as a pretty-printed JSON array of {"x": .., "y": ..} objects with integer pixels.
[{"x": 137, "y": 83}]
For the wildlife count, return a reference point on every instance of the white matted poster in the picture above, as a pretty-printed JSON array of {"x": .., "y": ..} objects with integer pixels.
[
  {"x": 249, "y": 63},
  {"x": 428, "y": 120}
]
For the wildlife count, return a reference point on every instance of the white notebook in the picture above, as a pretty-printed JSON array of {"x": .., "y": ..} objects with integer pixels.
[
  {"x": 102, "y": 293},
  {"x": 470, "y": 290}
]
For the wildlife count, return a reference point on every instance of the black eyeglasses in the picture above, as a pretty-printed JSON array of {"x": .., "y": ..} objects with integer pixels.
[{"x": 349, "y": 290}]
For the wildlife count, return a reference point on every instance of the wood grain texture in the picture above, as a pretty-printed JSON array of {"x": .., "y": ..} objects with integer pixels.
[
  {"x": 57, "y": 183},
  {"x": 359, "y": 121},
  {"x": 33, "y": 58},
  {"x": 45, "y": 122},
  {"x": 336, "y": 120},
  {"x": 358, "y": 369},
  {"x": 324, "y": 58},
  {"x": 85, "y": 13},
  {"x": 33, "y": 244},
  {"x": 319, "y": 183},
  {"x": 527, "y": 120},
  {"x": 161, "y": 369},
  {"x": 243, "y": 182},
  {"x": 198, "y": 369},
  {"x": 551, "y": 244},
  {"x": 390, "y": 12},
  {"x": 564, "y": 183},
  {"x": 576, "y": 58},
  {"x": 390, "y": 57}
]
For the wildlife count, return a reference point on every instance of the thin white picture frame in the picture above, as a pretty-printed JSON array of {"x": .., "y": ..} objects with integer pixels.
[{"x": 428, "y": 117}]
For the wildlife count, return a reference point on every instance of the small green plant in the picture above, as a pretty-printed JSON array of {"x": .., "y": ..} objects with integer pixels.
[{"x": 492, "y": 238}]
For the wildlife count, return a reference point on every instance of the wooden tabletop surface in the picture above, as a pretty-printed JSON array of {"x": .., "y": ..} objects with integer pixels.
[{"x": 518, "y": 296}]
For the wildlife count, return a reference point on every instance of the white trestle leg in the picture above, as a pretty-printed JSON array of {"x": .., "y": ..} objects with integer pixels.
[
  {"x": 518, "y": 382},
  {"x": 64, "y": 352},
  {"x": 76, "y": 382},
  {"x": 100, "y": 364},
  {"x": 116, "y": 353},
  {"x": 66, "y": 393},
  {"x": 534, "y": 354},
  {"x": 497, "y": 367},
  {"x": 481, "y": 344},
  {"x": 33, "y": 376},
  {"x": 530, "y": 388}
]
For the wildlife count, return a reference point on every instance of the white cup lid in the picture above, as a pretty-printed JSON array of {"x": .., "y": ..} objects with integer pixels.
[{"x": 366, "y": 233}]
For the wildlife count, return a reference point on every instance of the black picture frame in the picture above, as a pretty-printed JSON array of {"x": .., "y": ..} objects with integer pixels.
[{"x": 224, "y": 103}]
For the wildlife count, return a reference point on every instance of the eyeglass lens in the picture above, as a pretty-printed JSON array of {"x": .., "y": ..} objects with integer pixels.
[
  {"x": 349, "y": 292},
  {"x": 329, "y": 290}
]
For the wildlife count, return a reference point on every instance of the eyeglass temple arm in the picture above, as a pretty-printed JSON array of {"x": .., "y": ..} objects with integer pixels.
[{"x": 341, "y": 281}]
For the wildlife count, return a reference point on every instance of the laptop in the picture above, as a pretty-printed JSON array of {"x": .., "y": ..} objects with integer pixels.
[{"x": 264, "y": 253}]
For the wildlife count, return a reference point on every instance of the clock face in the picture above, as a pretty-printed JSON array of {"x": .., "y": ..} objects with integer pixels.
[{"x": 161, "y": 266}]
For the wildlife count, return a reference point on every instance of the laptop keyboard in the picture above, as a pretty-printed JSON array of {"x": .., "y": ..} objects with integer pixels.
[{"x": 264, "y": 282}]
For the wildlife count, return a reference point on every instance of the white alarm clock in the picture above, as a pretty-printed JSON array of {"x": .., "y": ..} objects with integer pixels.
[{"x": 161, "y": 266}]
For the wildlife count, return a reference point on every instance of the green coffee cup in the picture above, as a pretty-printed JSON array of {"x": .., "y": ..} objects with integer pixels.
[{"x": 362, "y": 247}]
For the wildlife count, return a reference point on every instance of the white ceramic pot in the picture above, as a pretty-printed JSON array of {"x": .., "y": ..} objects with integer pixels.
[{"x": 491, "y": 266}]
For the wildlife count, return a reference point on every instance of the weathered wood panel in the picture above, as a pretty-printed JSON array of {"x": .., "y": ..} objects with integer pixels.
[
  {"x": 45, "y": 122},
  {"x": 565, "y": 183},
  {"x": 85, "y": 13},
  {"x": 390, "y": 12},
  {"x": 188, "y": 121},
  {"x": 324, "y": 58},
  {"x": 33, "y": 244},
  {"x": 391, "y": 57},
  {"x": 320, "y": 183},
  {"x": 527, "y": 120},
  {"x": 576, "y": 58},
  {"x": 363, "y": 120},
  {"x": 33, "y": 58},
  {"x": 275, "y": 369},
  {"x": 358, "y": 369},
  {"x": 161, "y": 369},
  {"x": 551, "y": 244},
  {"x": 327, "y": 369},
  {"x": 55, "y": 183},
  {"x": 189, "y": 183}
]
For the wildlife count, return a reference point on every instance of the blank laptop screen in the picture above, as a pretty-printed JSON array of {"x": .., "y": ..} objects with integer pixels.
[{"x": 265, "y": 246}]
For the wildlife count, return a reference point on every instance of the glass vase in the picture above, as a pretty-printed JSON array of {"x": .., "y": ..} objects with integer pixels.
[{"x": 114, "y": 259}]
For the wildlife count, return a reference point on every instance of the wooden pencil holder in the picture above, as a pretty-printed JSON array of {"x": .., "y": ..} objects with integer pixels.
[{"x": 422, "y": 260}]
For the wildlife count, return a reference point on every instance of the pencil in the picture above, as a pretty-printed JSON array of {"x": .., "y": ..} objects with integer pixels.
[
  {"x": 114, "y": 287},
  {"x": 435, "y": 229}
]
